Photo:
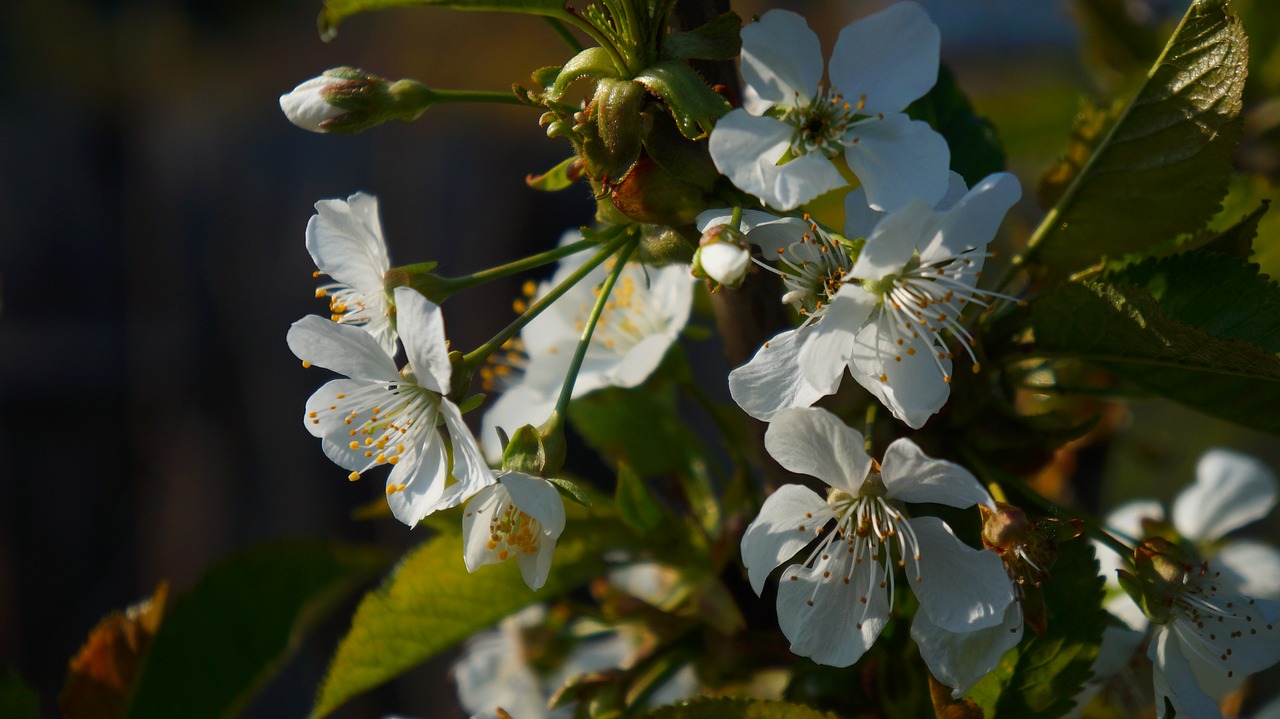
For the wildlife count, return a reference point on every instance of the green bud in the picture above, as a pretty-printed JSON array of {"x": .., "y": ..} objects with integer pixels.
[
  {"x": 653, "y": 195},
  {"x": 349, "y": 100},
  {"x": 662, "y": 245},
  {"x": 619, "y": 124},
  {"x": 524, "y": 452}
]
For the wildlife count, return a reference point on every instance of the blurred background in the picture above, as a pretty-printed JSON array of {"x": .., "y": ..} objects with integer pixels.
[{"x": 153, "y": 200}]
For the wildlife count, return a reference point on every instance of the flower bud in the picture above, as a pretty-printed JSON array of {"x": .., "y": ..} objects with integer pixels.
[
  {"x": 348, "y": 100},
  {"x": 1160, "y": 571},
  {"x": 722, "y": 256}
]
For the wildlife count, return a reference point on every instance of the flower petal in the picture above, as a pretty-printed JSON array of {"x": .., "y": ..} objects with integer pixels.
[
  {"x": 1175, "y": 681},
  {"x": 344, "y": 349},
  {"x": 829, "y": 344},
  {"x": 537, "y": 498},
  {"x": 321, "y": 421},
  {"x": 475, "y": 526},
  {"x": 812, "y": 441},
  {"x": 423, "y": 472},
  {"x": 345, "y": 241},
  {"x": 824, "y": 617},
  {"x": 893, "y": 242},
  {"x": 960, "y": 659},
  {"x": 771, "y": 382},
  {"x": 1252, "y": 567},
  {"x": 912, "y": 389},
  {"x": 1231, "y": 490},
  {"x": 960, "y": 587},
  {"x": 747, "y": 149},
  {"x": 898, "y": 160},
  {"x": 781, "y": 60},
  {"x": 1128, "y": 517},
  {"x": 469, "y": 468},
  {"x": 421, "y": 326},
  {"x": 891, "y": 57},
  {"x": 912, "y": 476},
  {"x": 791, "y": 517},
  {"x": 973, "y": 220},
  {"x": 725, "y": 262}
]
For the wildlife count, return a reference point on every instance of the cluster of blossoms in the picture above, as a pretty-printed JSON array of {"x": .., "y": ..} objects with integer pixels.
[{"x": 884, "y": 300}]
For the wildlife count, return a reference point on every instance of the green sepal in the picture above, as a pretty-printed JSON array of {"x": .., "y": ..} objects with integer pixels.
[
  {"x": 570, "y": 490},
  {"x": 471, "y": 403},
  {"x": 557, "y": 178},
  {"x": 592, "y": 62},
  {"x": 718, "y": 39},
  {"x": 690, "y": 161},
  {"x": 694, "y": 106}
]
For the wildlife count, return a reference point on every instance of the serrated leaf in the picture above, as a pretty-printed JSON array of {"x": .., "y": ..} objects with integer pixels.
[
  {"x": 1090, "y": 124},
  {"x": 557, "y": 178},
  {"x": 1237, "y": 240},
  {"x": 1197, "y": 328},
  {"x": 1039, "y": 678},
  {"x": 1162, "y": 168},
  {"x": 335, "y": 11},
  {"x": 975, "y": 148},
  {"x": 223, "y": 639},
  {"x": 738, "y": 709},
  {"x": 570, "y": 490},
  {"x": 430, "y": 602}
]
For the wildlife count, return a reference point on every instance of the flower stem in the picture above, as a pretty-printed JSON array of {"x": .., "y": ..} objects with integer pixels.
[
  {"x": 502, "y": 97},
  {"x": 584, "y": 341},
  {"x": 457, "y": 284},
  {"x": 481, "y": 353}
]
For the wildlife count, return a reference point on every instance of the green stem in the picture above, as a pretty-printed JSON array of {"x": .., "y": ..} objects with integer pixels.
[
  {"x": 580, "y": 354},
  {"x": 564, "y": 34},
  {"x": 457, "y": 284},
  {"x": 485, "y": 96},
  {"x": 481, "y": 353}
]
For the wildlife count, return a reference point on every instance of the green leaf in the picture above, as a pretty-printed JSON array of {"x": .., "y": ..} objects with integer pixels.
[
  {"x": 592, "y": 62},
  {"x": 220, "y": 642},
  {"x": 638, "y": 426},
  {"x": 718, "y": 39},
  {"x": 430, "y": 602},
  {"x": 335, "y": 11},
  {"x": 1198, "y": 328},
  {"x": 1162, "y": 167},
  {"x": 557, "y": 178},
  {"x": 705, "y": 708},
  {"x": 1039, "y": 678},
  {"x": 17, "y": 699},
  {"x": 975, "y": 148},
  {"x": 637, "y": 506},
  {"x": 1237, "y": 240}
]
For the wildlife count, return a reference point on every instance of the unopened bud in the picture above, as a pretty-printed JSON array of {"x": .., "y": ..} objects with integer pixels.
[
  {"x": 348, "y": 100},
  {"x": 722, "y": 256}
]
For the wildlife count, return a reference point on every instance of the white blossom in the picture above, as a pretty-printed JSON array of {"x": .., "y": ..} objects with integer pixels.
[
  {"x": 780, "y": 144},
  {"x": 645, "y": 313},
  {"x": 834, "y": 603},
  {"x": 383, "y": 416},
  {"x": 882, "y": 313},
  {"x": 521, "y": 515},
  {"x": 345, "y": 240}
]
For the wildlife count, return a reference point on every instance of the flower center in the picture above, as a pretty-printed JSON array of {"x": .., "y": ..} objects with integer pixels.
[
  {"x": 513, "y": 531},
  {"x": 822, "y": 124},
  {"x": 924, "y": 300},
  {"x": 349, "y": 306},
  {"x": 812, "y": 270},
  {"x": 384, "y": 420}
]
